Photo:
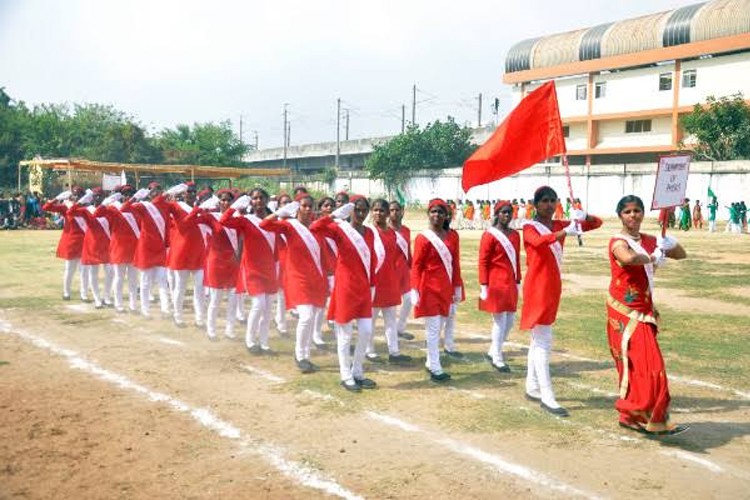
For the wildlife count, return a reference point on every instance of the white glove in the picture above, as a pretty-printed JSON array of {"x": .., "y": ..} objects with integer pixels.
[
  {"x": 241, "y": 203},
  {"x": 579, "y": 215},
  {"x": 343, "y": 212},
  {"x": 666, "y": 243},
  {"x": 86, "y": 198},
  {"x": 572, "y": 228},
  {"x": 177, "y": 190},
  {"x": 141, "y": 194},
  {"x": 272, "y": 205},
  {"x": 210, "y": 203},
  {"x": 64, "y": 195},
  {"x": 111, "y": 199},
  {"x": 331, "y": 282},
  {"x": 453, "y": 309},
  {"x": 372, "y": 293},
  {"x": 659, "y": 258},
  {"x": 457, "y": 294},
  {"x": 483, "y": 292},
  {"x": 414, "y": 297},
  {"x": 287, "y": 211},
  {"x": 518, "y": 289}
]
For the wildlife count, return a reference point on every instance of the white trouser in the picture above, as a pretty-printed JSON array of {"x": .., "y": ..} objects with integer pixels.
[
  {"x": 156, "y": 275},
  {"x": 171, "y": 281},
  {"x": 404, "y": 312},
  {"x": 70, "y": 269},
  {"x": 240, "y": 307},
  {"x": 258, "y": 320},
  {"x": 320, "y": 316},
  {"x": 391, "y": 332},
  {"x": 501, "y": 325},
  {"x": 348, "y": 367},
  {"x": 91, "y": 275},
  {"x": 281, "y": 322},
  {"x": 122, "y": 271},
  {"x": 215, "y": 295},
  {"x": 305, "y": 327},
  {"x": 712, "y": 226},
  {"x": 432, "y": 327},
  {"x": 449, "y": 341},
  {"x": 538, "y": 378},
  {"x": 179, "y": 286}
]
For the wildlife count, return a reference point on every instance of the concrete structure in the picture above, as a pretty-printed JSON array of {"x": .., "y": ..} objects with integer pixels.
[{"x": 623, "y": 86}]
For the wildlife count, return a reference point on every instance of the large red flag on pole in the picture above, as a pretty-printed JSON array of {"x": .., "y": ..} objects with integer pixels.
[{"x": 531, "y": 133}]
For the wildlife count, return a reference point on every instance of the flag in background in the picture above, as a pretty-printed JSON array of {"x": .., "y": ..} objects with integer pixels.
[
  {"x": 531, "y": 133},
  {"x": 400, "y": 197},
  {"x": 710, "y": 193},
  {"x": 123, "y": 178}
]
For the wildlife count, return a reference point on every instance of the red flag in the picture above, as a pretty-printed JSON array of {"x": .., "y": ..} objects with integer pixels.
[{"x": 531, "y": 133}]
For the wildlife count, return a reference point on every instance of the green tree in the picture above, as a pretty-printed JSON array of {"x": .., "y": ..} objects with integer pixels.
[
  {"x": 203, "y": 144},
  {"x": 721, "y": 128},
  {"x": 12, "y": 124}
]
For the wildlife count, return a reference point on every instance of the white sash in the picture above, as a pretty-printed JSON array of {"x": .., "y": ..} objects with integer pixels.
[
  {"x": 187, "y": 208},
  {"x": 156, "y": 217},
  {"x": 268, "y": 235},
  {"x": 130, "y": 219},
  {"x": 81, "y": 223},
  {"x": 231, "y": 233},
  {"x": 555, "y": 248},
  {"x": 379, "y": 249},
  {"x": 310, "y": 242},
  {"x": 442, "y": 250},
  {"x": 402, "y": 244},
  {"x": 507, "y": 245},
  {"x": 103, "y": 222},
  {"x": 637, "y": 248},
  {"x": 206, "y": 232},
  {"x": 359, "y": 244},
  {"x": 333, "y": 246}
]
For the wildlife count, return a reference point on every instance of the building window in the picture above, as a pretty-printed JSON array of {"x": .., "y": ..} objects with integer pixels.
[
  {"x": 566, "y": 131},
  {"x": 637, "y": 126},
  {"x": 600, "y": 90},
  {"x": 689, "y": 78},
  {"x": 581, "y": 92},
  {"x": 665, "y": 81}
]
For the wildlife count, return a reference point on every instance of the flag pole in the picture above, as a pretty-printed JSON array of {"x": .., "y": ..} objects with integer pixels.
[{"x": 570, "y": 191}]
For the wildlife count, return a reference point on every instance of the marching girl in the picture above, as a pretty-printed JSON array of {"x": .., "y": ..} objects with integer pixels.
[
  {"x": 388, "y": 290},
  {"x": 632, "y": 323},
  {"x": 543, "y": 240},
  {"x": 436, "y": 281},
  {"x": 70, "y": 246},
  {"x": 354, "y": 276},
  {"x": 95, "y": 246},
  {"x": 282, "y": 324},
  {"x": 305, "y": 278},
  {"x": 328, "y": 248},
  {"x": 403, "y": 265},
  {"x": 259, "y": 266},
  {"x": 499, "y": 279}
]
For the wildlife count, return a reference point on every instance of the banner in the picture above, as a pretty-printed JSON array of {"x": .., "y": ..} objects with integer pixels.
[
  {"x": 671, "y": 181},
  {"x": 109, "y": 182}
]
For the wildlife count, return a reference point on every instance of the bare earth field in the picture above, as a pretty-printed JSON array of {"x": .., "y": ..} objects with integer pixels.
[{"x": 95, "y": 404}]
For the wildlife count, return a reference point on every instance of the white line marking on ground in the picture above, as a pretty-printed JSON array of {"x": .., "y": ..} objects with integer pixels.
[
  {"x": 274, "y": 455},
  {"x": 472, "y": 394},
  {"x": 80, "y": 308},
  {"x": 593, "y": 389},
  {"x": 683, "y": 455},
  {"x": 321, "y": 396},
  {"x": 167, "y": 340},
  {"x": 498, "y": 463},
  {"x": 708, "y": 385},
  {"x": 266, "y": 375}
]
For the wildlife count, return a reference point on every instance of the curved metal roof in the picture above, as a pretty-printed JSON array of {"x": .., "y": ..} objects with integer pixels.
[{"x": 692, "y": 23}]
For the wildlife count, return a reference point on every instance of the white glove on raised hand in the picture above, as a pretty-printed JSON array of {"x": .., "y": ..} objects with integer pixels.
[
  {"x": 64, "y": 195},
  {"x": 343, "y": 212},
  {"x": 572, "y": 229},
  {"x": 457, "y": 294},
  {"x": 483, "y": 292},
  {"x": 659, "y": 258},
  {"x": 666, "y": 243},
  {"x": 331, "y": 282},
  {"x": 111, "y": 199},
  {"x": 414, "y": 297},
  {"x": 372, "y": 293},
  {"x": 141, "y": 194},
  {"x": 579, "y": 215},
  {"x": 177, "y": 190},
  {"x": 287, "y": 211},
  {"x": 210, "y": 203},
  {"x": 241, "y": 203},
  {"x": 86, "y": 198}
]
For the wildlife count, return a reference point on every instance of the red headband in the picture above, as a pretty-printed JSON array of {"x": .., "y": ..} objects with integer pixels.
[
  {"x": 500, "y": 204},
  {"x": 97, "y": 190},
  {"x": 354, "y": 197},
  {"x": 77, "y": 190},
  {"x": 222, "y": 192},
  {"x": 437, "y": 202},
  {"x": 154, "y": 185}
]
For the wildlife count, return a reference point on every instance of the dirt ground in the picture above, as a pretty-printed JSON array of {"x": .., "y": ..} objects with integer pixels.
[{"x": 99, "y": 405}]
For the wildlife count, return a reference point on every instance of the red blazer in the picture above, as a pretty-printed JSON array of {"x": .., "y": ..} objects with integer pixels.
[
  {"x": 496, "y": 271},
  {"x": 388, "y": 291},
  {"x": 428, "y": 276},
  {"x": 186, "y": 247},
  {"x": 303, "y": 282},
  {"x": 259, "y": 260},
  {"x": 96, "y": 240},
  {"x": 351, "y": 291},
  {"x": 151, "y": 250},
  {"x": 124, "y": 238},
  {"x": 222, "y": 259},
  {"x": 70, "y": 245}
]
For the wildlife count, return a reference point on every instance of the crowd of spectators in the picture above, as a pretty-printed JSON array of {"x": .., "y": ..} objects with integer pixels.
[{"x": 24, "y": 210}]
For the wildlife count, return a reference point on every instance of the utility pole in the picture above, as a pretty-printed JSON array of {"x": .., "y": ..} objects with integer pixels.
[
  {"x": 288, "y": 133},
  {"x": 241, "y": 142},
  {"x": 403, "y": 117},
  {"x": 414, "y": 104},
  {"x": 286, "y": 143},
  {"x": 479, "y": 119},
  {"x": 338, "y": 132},
  {"x": 347, "y": 124},
  {"x": 255, "y": 133}
]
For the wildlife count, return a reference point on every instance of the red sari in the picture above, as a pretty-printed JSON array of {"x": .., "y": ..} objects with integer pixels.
[{"x": 644, "y": 391}]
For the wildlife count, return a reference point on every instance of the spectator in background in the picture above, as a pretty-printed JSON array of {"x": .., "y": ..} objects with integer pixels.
[{"x": 697, "y": 215}]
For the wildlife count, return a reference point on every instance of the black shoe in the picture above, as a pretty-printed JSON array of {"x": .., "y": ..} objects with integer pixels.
[
  {"x": 677, "y": 429},
  {"x": 405, "y": 336},
  {"x": 399, "y": 358},
  {"x": 532, "y": 398},
  {"x": 66, "y": 297},
  {"x": 373, "y": 357},
  {"x": 351, "y": 387},
  {"x": 365, "y": 383},
  {"x": 501, "y": 368},
  {"x": 305, "y": 366},
  {"x": 558, "y": 412},
  {"x": 256, "y": 350},
  {"x": 453, "y": 354},
  {"x": 439, "y": 377}
]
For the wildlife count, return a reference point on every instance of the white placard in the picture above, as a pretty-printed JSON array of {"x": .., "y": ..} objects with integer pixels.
[
  {"x": 109, "y": 182},
  {"x": 671, "y": 181}
]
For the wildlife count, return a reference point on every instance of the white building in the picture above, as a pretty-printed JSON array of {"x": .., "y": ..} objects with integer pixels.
[{"x": 623, "y": 86}]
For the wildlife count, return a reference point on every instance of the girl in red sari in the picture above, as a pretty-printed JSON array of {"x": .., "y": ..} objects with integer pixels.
[
  {"x": 543, "y": 240},
  {"x": 632, "y": 322}
]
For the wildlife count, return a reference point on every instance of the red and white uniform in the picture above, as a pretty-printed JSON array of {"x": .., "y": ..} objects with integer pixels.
[
  {"x": 388, "y": 290},
  {"x": 435, "y": 283},
  {"x": 70, "y": 245},
  {"x": 186, "y": 243},
  {"x": 403, "y": 271},
  {"x": 500, "y": 271},
  {"x": 222, "y": 259},
  {"x": 153, "y": 217},
  {"x": 259, "y": 255},
  {"x": 96, "y": 241},
  {"x": 124, "y": 233}
]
